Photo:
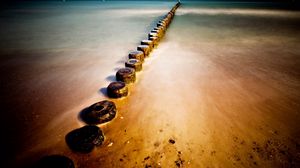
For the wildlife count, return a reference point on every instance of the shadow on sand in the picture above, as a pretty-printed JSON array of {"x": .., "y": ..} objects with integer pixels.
[{"x": 111, "y": 78}]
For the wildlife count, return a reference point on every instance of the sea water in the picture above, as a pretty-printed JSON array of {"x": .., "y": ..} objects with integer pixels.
[{"x": 225, "y": 75}]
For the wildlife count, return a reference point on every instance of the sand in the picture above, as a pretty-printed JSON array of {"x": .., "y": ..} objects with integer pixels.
[{"x": 221, "y": 90}]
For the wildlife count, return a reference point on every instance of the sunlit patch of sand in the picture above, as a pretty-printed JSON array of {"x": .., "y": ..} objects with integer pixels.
[{"x": 206, "y": 97}]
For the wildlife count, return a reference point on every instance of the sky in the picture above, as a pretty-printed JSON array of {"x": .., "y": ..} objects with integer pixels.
[
  {"x": 291, "y": 3},
  {"x": 171, "y": 0}
]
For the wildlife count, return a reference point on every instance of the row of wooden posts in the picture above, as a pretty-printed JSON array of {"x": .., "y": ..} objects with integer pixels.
[
  {"x": 127, "y": 75},
  {"x": 84, "y": 139}
]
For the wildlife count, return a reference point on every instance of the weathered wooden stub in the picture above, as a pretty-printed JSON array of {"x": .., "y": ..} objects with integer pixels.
[
  {"x": 162, "y": 25},
  {"x": 84, "y": 139},
  {"x": 117, "y": 89},
  {"x": 54, "y": 161},
  {"x": 145, "y": 49},
  {"x": 126, "y": 75},
  {"x": 160, "y": 29},
  {"x": 100, "y": 112},
  {"x": 148, "y": 42},
  {"x": 139, "y": 55},
  {"x": 158, "y": 32},
  {"x": 163, "y": 22},
  {"x": 135, "y": 64},
  {"x": 153, "y": 35},
  {"x": 155, "y": 40}
]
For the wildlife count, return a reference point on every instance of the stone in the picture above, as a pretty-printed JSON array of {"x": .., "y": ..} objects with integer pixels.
[
  {"x": 54, "y": 161},
  {"x": 171, "y": 141},
  {"x": 117, "y": 89},
  {"x": 126, "y": 75},
  {"x": 100, "y": 112},
  {"x": 135, "y": 64},
  {"x": 84, "y": 139}
]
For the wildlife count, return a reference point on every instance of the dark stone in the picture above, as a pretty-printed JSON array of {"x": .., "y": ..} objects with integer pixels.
[
  {"x": 126, "y": 75},
  {"x": 171, "y": 141},
  {"x": 135, "y": 64},
  {"x": 100, "y": 112},
  {"x": 84, "y": 139},
  {"x": 55, "y": 161},
  {"x": 139, "y": 55},
  {"x": 117, "y": 89}
]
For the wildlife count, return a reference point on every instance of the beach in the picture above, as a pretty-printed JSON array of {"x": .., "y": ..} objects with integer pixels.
[{"x": 222, "y": 89}]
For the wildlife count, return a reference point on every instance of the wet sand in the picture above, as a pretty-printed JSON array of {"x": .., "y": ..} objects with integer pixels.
[{"x": 221, "y": 90}]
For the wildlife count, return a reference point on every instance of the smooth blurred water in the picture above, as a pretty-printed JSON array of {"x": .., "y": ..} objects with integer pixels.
[
  {"x": 55, "y": 56},
  {"x": 56, "y": 59},
  {"x": 53, "y": 25}
]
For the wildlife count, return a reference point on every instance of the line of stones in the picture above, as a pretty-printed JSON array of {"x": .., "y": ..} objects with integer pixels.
[{"x": 84, "y": 139}]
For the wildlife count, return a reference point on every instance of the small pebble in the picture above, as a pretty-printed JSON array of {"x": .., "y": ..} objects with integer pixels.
[
  {"x": 171, "y": 141},
  {"x": 110, "y": 144}
]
